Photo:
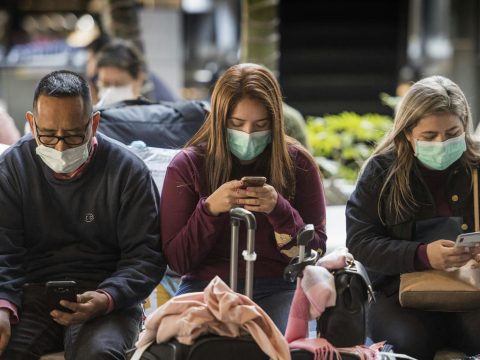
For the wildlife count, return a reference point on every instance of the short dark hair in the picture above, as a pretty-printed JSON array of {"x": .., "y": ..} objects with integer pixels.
[
  {"x": 62, "y": 84},
  {"x": 122, "y": 54}
]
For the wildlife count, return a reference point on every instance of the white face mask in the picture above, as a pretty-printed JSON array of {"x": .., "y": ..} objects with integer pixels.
[
  {"x": 63, "y": 162},
  {"x": 113, "y": 94}
]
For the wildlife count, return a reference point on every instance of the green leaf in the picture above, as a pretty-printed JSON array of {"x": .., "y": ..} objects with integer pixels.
[{"x": 347, "y": 138}]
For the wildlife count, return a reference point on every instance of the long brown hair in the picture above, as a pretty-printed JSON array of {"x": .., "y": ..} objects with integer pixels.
[
  {"x": 239, "y": 82},
  {"x": 431, "y": 96}
]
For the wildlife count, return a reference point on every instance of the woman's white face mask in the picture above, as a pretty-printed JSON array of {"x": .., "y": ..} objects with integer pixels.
[{"x": 113, "y": 94}]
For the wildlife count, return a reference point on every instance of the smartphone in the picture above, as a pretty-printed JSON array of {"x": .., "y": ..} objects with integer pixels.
[
  {"x": 468, "y": 240},
  {"x": 253, "y": 181},
  {"x": 61, "y": 290}
]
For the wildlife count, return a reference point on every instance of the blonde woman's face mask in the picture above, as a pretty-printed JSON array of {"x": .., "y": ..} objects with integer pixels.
[{"x": 438, "y": 140}]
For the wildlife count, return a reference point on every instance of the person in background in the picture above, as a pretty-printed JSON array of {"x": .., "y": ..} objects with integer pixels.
[
  {"x": 74, "y": 206},
  {"x": 121, "y": 75},
  {"x": 242, "y": 136},
  {"x": 413, "y": 197},
  {"x": 295, "y": 125},
  {"x": 8, "y": 131}
]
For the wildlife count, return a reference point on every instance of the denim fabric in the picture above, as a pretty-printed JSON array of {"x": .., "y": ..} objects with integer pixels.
[
  {"x": 273, "y": 295},
  {"x": 105, "y": 337}
]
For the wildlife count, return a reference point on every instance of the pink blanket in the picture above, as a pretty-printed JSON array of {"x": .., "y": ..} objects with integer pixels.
[{"x": 217, "y": 310}]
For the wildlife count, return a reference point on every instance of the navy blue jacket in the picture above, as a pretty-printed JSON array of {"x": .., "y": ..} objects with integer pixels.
[{"x": 102, "y": 226}]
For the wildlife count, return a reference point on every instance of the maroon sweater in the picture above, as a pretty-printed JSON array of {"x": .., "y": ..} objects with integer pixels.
[
  {"x": 435, "y": 181},
  {"x": 197, "y": 244}
]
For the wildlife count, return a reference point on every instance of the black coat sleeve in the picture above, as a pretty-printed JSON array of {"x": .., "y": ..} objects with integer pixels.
[{"x": 370, "y": 241}]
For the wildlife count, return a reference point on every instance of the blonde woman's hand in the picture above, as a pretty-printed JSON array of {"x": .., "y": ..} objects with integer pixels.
[
  {"x": 443, "y": 254},
  {"x": 224, "y": 198},
  {"x": 475, "y": 252},
  {"x": 260, "y": 198}
]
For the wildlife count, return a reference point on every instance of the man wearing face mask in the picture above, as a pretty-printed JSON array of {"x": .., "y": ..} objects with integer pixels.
[{"x": 67, "y": 196}]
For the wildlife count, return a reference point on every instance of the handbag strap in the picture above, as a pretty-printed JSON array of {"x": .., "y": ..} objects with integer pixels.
[
  {"x": 475, "y": 198},
  {"x": 356, "y": 268}
]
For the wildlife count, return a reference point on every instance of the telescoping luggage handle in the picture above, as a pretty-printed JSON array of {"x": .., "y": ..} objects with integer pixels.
[
  {"x": 295, "y": 268},
  {"x": 236, "y": 216}
]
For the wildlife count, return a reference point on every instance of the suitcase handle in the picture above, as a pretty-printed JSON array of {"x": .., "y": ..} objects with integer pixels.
[
  {"x": 238, "y": 215},
  {"x": 295, "y": 268},
  {"x": 304, "y": 236}
]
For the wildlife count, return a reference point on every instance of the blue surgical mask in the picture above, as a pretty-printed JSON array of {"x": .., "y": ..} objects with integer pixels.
[
  {"x": 63, "y": 162},
  {"x": 248, "y": 146},
  {"x": 440, "y": 155}
]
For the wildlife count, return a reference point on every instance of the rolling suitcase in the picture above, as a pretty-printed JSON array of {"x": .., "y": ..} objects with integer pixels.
[{"x": 214, "y": 346}]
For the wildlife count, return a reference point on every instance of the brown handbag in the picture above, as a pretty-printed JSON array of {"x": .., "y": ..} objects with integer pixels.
[{"x": 440, "y": 290}]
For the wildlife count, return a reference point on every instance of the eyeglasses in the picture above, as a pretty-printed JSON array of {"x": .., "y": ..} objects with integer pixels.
[{"x": 72, "y": 140}]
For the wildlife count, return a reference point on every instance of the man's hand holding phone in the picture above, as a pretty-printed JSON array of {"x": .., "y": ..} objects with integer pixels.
[
  {"x": 68, "y": 307},
  {"x": 61, "y": 290}
]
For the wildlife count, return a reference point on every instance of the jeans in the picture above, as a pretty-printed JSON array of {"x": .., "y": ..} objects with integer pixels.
[
  {"x": 273, "y": 295},
  {"x": 104, "y": 337},
  {"x": 421, "y": 333}
]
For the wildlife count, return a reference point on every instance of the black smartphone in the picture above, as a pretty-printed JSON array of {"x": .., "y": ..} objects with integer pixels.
[
  {"x": 61, "y": 290},
  {"x": 253, "y": 181}
]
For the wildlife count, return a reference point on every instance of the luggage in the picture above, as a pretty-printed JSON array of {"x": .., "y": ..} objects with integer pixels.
[
  {"x": 166, "y": 125},
  {"x": 343, "y": 325},
  {"x": 214, "y": 346}
]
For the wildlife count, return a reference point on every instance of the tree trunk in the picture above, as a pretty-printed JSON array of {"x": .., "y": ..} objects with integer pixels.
[{"x": 260, "y": 38}]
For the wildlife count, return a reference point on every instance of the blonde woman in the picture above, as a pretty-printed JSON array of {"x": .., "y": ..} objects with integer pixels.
[
  {"x": 412, "y": 199},
  {"x": 242, "y": 136}
]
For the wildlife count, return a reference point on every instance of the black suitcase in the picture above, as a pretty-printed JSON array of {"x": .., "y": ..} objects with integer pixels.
[{"x": 213, "y": 346}]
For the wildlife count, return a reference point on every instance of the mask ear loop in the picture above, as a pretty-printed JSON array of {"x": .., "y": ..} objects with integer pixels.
[
  {"x": 416, "y": 147},
  {"x": 103, "y": 98}
]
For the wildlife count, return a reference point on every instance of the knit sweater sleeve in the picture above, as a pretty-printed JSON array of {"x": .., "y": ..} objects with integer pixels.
[
  {"x": 368, "y": 238},
  {"x": 308, "y": 207},
  {"x": 141, "y": 265},
  {"x": 189, "y": 231}
]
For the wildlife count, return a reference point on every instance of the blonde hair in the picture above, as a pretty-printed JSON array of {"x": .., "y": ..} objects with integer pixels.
[
  {"x": 237, "y": 83},
  {"x": 430, "y": 96}
]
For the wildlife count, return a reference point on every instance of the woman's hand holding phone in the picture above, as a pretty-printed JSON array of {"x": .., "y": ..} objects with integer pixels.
[
  {"x": 252, "y": 181},
  {"x": 224, "y": 198},
  {"x": 256, "y": 195},
  {"x": 443, "y": 254},
  {"x": 261, "y": 197}
]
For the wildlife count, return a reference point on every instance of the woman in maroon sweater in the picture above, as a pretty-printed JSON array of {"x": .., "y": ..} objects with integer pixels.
[{"x": 242, "y": 136}]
